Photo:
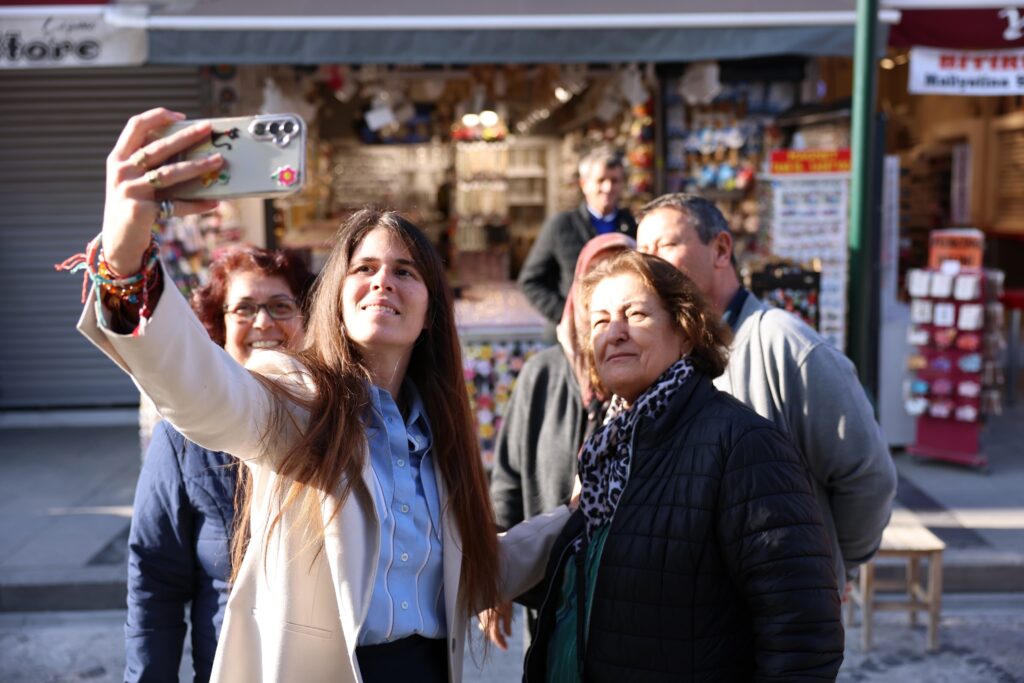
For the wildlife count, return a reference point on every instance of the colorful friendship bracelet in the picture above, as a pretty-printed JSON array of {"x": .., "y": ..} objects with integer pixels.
[
  {"x": 114, "y": 288},
  {"x": 126, "y": 288}
]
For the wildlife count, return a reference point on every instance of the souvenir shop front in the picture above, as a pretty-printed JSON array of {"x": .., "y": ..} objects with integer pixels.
[
  {"x": 952, "y": 86},
  {"x": 480, "y": 154},
  {"x": 473, "y": 122}
]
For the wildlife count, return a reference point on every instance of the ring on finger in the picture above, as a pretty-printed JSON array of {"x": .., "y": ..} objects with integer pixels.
[
  {"x": 153, "y": 178},
  {"x": 139, "y": 158},
  {"x": 166, "y": 209}
]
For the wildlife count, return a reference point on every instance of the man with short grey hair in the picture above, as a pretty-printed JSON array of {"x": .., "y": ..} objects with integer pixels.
[
  {"x": 546, "y": 275},
  {"x": 788, "y": 373}
]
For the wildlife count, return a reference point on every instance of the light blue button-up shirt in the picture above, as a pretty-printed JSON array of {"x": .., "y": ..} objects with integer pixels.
[{"x": 408, "y": 591}]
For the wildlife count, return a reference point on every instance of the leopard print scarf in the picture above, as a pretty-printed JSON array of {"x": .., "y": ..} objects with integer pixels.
[{"x": 605, "y": 458}]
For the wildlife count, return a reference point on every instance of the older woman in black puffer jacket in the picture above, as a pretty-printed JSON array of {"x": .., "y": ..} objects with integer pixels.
[{"x": 698, "y": 552}]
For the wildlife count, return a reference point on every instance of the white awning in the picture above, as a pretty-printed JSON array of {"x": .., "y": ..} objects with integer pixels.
[
  {"x": 465, "y": 15},
  {"x": 467, "y": 31}
]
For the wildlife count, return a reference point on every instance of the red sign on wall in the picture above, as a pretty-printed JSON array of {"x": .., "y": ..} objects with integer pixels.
[
  {"x": 966, "y": 246},
  {"x": 810, "y": 161}
]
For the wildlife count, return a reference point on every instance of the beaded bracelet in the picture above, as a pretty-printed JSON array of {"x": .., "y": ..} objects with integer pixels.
[
  {"x": 127, "y": 288},
  {"x": 116, "y": 291}
]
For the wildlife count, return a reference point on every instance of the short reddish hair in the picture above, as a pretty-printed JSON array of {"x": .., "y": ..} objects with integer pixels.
[{"x": 208, "y": 300}]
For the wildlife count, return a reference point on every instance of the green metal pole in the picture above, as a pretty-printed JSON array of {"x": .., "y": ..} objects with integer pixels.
[{"x": 861, "y": 338}]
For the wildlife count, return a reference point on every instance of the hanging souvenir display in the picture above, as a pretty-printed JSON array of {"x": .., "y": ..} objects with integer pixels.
[{"x": 718, "y": 136}]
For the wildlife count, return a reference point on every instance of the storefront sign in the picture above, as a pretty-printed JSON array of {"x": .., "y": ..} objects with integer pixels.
[
  {"x": 966, "y": 72},
  {"x": 964, "y": 247},
  {"x": 786, "y": 161},
  {"x": 78, "y": 38}
]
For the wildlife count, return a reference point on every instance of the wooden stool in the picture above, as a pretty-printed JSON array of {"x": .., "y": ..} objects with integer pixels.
[{"x": 907, "y": 539}]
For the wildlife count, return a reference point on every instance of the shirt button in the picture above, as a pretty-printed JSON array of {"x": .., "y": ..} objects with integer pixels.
[
  {"x": 405, "y": 557},
  {"x": 401, "y": 463},
  {"x": 405, "y": 605},
  {"x": 405, "y": 508}
]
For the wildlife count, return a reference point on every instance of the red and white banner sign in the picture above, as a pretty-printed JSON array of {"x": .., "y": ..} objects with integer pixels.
[{"x": 966, "y": 72}]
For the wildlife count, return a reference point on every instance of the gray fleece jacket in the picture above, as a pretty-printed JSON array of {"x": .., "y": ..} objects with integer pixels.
[
  {"x": 535, "y": 452},
  {"x": 785, "y": 371}
]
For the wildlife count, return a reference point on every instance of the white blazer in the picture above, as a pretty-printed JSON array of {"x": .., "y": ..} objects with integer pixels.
[{"x": 295, "y": 609}]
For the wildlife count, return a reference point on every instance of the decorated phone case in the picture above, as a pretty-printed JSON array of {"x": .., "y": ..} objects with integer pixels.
[{"x": 264, "y": 155}]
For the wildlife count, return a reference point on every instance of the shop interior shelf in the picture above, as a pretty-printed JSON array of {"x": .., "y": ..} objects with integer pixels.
[
  {"x": 526, "y": 172},
  {"x": 527, "y": 200}
]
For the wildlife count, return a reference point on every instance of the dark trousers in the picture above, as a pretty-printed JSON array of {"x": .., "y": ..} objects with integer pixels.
[{"x": 410, "y": 659}]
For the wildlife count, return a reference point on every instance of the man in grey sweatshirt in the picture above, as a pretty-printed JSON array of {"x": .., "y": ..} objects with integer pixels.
[{"x": 788, "y": 373}]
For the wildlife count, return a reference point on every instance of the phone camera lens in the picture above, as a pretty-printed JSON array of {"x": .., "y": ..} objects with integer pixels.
[
  {"x": 259, "y": 128},
  {"x": 274, "y": 128},
  {"x": 288, "y": 127}
]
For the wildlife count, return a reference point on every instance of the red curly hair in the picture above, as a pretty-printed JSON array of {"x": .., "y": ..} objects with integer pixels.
[{"x": 208, "y": 301}]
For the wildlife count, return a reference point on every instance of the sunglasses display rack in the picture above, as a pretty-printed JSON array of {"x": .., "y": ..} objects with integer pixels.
[{"x": 955, "y": 376}]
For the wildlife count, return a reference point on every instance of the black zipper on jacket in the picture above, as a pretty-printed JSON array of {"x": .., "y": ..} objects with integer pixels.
[
  {"x": 581, "y": 625},
  {"x": 581, "y": 602},
  {"x": 547, "y": 597}
]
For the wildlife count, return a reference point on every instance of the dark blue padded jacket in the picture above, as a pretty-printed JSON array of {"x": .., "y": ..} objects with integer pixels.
[{"x": 178, "y": 557}]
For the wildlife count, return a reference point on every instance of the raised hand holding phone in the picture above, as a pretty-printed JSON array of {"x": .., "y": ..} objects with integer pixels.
[{"x": 140, "y": 183}]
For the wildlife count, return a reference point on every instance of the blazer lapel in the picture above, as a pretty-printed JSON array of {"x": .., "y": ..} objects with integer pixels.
[
  {"x": 353, "y": 563},
  {"x": 452, "y": 558}
]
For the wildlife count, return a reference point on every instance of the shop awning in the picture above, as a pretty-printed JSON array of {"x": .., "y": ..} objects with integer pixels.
[{"x": 471, "y": 32}]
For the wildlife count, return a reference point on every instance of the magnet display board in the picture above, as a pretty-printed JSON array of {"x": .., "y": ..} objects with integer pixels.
[{"x": 810, "y": 221}]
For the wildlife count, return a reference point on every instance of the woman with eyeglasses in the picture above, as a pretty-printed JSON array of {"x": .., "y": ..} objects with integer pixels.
[
  {"x": 372, "y": 538},
  {"x": 184, "y": 513}
]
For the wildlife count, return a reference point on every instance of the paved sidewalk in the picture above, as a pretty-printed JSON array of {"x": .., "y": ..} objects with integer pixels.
[
  {"x": 66, "y": 494},
  {"x": 979, "y": 642},
  {"x": 978, "y": 513},
  {"x": 65, "y": 506}
]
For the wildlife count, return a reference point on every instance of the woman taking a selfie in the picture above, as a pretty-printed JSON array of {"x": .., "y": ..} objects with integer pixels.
[
  {"x": 698, "y": 552},
  {"x": 372, "y": 538}
]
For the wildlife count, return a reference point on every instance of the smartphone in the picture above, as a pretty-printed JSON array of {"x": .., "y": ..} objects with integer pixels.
[{"x": 264, "y": 156}]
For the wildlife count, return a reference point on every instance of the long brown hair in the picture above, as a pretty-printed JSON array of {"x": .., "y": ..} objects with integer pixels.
[{"x": 329, "y": 456}]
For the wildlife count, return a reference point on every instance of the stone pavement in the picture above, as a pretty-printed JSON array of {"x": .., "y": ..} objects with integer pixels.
[
  {"x": 66, "y": 494},
  {"x": 65, "y": 506},
  {"x": 980, "y": 642}
]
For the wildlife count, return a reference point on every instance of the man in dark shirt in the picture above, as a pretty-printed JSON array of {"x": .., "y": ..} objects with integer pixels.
[{"x": 547, "y": 273}]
